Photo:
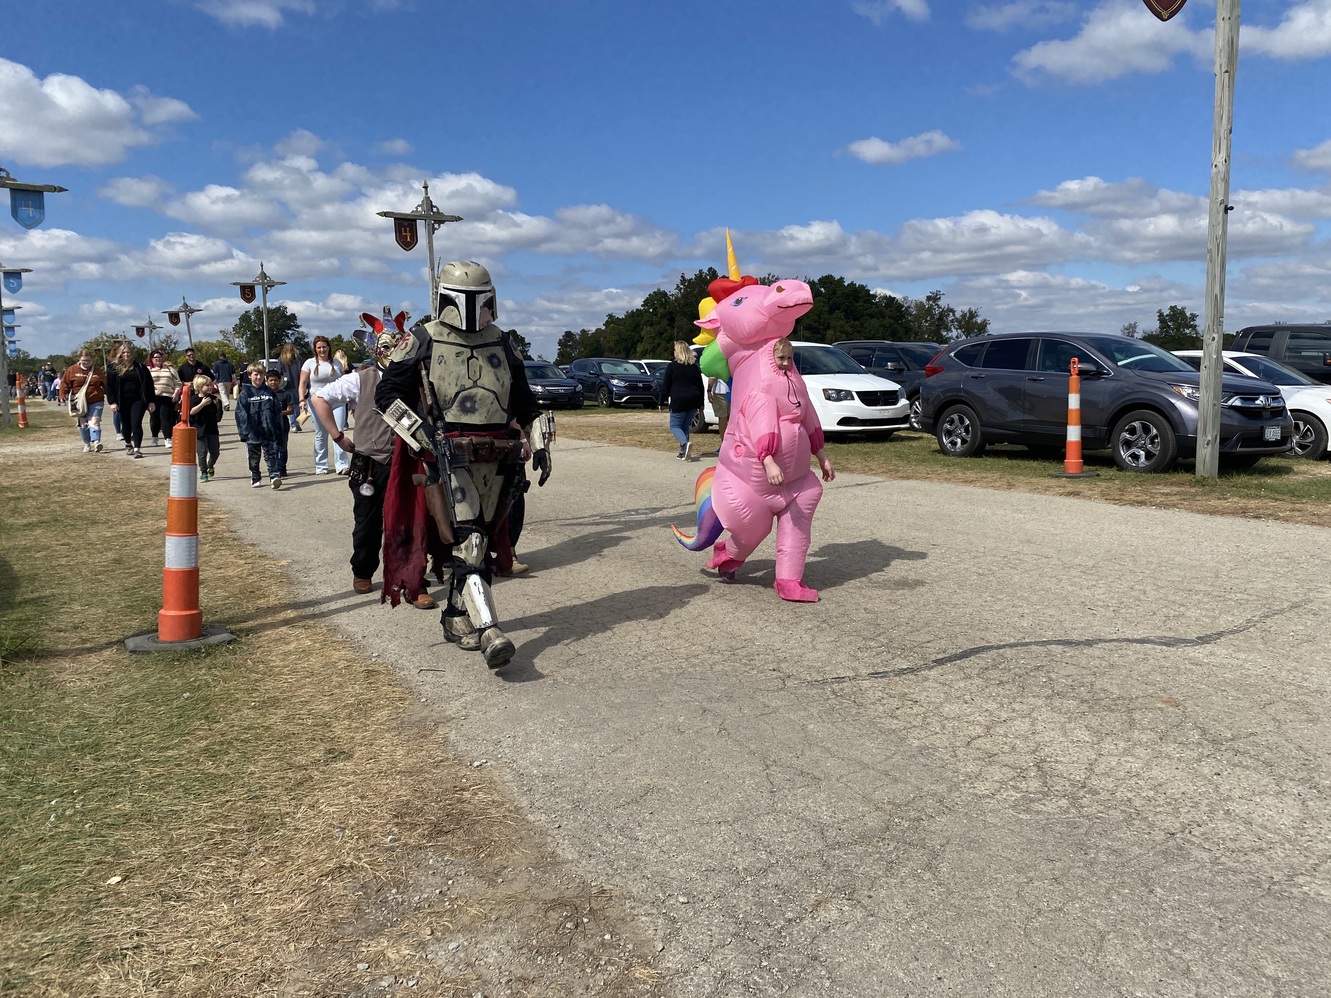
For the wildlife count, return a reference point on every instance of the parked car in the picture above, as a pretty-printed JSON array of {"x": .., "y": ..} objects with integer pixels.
[
  {"x": 1306, "y": 348},
  {"x": 902, "y": 361},
  {"x": 1137, "y": 400},
  {"x": 847, "y": 398},
  {"x": 1308, "y": 401},
  {"x": 612, "y": 381},
  {"x": 650, "y": 367},
  {"x": 553, "y": 390}
]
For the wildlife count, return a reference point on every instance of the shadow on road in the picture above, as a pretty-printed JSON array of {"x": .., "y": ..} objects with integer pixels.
[{"x": 570, "y": 623}]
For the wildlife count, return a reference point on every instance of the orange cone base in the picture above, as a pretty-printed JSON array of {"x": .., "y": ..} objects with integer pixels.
[
  {"x": 1074, "y": 474},
  {"x": 179, "y": 625}
]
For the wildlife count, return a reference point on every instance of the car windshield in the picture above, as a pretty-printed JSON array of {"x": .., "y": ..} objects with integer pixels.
[
  {"x": 1274, "y": 371},
  {"x": 619, "y": 367},
  {"x": 544, "y": 371},
  {"x": 919, "y": 354},
  {"x": 1137, "y": 355},
  {"x": 825, "y": 360}
]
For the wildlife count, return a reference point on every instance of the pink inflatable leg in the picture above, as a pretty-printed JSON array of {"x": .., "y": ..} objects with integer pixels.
[
  {"x": 794, "y": 529},
  {"x": 744, "y": 513}
]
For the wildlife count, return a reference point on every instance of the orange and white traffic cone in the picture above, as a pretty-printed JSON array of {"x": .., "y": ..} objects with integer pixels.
[
  {"x": 22, "y": 401},
  {"x": 180, "y": 618},
  {"x": 1072, "y": 463}
]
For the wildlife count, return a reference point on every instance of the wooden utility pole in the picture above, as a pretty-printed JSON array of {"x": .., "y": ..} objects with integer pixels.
[{"x": 1217, "y": 231}]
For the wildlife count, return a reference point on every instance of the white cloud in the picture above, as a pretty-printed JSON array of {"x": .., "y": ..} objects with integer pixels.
[
  {"x": 1303, "y": 33},
  {"x": 880, "y": 153},
  {"x": 1019, "y": 14},
  {"x": 250, "y": 13},
  {"x": 62, "y": 119},
  {"x": 1117, "y": 38},
  {"x": 395, "y": 147},
  {"x": 1131, "y": 198},
  {"x": 879, "y": 11},
  {"x": 137, "y": 192},
  {"x": 1317, "y": 158},
  {"x": 301, "y": 142}
]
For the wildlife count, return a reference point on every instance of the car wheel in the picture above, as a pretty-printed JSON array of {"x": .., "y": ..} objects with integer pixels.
[
  {"x": 603, "y": 398},
  {"x": 1309, "y": 436},
  {"x": 915, "y": 423},
  {"x": 699, "y": 424},
  {"x": 1144, "y": 441},
  {"x": 958, "y": 432}
]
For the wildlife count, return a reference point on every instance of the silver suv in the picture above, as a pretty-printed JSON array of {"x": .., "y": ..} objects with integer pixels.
[{"x": 1137, "y": 400}]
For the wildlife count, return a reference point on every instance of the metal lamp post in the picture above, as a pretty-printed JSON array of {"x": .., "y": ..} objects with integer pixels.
[
  {"x": 405, "y": 231},
  {"x": 186, "y": 309},
  {"x": 266, "y": 283},
  {"x": 27, "y": 205},
  {"x": 11, "y": 278}
]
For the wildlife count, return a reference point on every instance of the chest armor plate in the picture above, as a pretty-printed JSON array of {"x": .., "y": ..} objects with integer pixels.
[{"x": 470, "y": 375}]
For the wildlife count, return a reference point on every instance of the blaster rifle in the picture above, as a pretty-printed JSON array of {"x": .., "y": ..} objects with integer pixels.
[{"x": 438, "y": 491}]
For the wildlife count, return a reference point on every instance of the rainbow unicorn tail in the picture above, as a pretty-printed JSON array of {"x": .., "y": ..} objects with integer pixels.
[{"x": 709, "y": 527}]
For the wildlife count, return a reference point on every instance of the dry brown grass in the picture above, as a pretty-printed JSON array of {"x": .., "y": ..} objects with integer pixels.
[{"x": 254, "y": 819}]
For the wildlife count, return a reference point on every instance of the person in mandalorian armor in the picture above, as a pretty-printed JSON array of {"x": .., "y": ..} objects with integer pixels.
[{"x": 460, "y": 373}]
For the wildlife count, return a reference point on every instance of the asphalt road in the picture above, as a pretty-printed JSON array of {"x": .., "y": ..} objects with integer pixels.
[{"x": 1025, "y": 745}]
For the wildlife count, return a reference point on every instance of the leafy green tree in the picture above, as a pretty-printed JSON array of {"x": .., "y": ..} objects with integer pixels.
[
  {"x": 520, "y": 343},
  {"x": 1176, "y": 329},
  {"x": 1130, "y": 330},
  {"x": 283, "y": 327}
]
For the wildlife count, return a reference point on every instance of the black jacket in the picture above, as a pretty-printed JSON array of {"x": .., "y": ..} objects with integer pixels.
[
  {"x": 134, "y": 385},
  {"x": 682, "y": 385}
]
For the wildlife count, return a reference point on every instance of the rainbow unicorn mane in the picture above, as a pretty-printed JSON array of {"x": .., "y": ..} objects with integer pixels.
[{"x": 709, "y": 527}]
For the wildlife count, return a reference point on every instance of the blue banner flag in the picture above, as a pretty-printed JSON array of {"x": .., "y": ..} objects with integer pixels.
[
  {"x": 13, "y": 281},
  {"x": 27, "y": 207},
  {"x": 7, "y": 316},
  {"x": 11, "y": 332}
]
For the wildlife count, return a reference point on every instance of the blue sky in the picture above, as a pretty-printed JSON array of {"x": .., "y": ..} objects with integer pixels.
[{"x": 1045, "y": 162}]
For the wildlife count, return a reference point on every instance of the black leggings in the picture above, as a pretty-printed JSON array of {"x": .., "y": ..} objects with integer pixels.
[
  {"x": 162, "y": 420},
  {"x": 131, "y": 421}
]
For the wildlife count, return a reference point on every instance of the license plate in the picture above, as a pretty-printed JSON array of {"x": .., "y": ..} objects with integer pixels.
[{"x": 1271, "y": 432}]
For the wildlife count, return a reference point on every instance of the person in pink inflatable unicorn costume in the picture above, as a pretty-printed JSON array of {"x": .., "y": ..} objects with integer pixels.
[{"x": 763, "y": 471}]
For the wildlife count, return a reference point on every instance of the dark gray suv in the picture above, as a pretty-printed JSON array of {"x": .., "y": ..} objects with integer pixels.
[
  {"x": 1137, "y": 400},
  {"x": 1306, "y": 348}
]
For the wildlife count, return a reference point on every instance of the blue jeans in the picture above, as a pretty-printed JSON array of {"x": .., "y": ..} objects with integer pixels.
[
  {"x": 90, "y": 426},
  {"x": 680, "y": 423},
  {"x": 342, "y": 459}
]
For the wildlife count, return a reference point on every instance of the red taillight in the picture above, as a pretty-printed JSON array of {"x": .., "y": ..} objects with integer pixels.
[{"x": 930, "y": 369}]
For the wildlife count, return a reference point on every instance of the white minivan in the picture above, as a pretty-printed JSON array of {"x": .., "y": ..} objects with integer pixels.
[{"x": 847, "y": 398}]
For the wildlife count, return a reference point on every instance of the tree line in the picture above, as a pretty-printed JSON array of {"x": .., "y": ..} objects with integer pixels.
[{"x": 842, "y": 310}]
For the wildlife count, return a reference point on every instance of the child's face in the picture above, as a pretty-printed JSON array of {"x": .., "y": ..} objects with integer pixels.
[
  {"x": 274, "y": 382},
  {"x": 256, "y": 379}
]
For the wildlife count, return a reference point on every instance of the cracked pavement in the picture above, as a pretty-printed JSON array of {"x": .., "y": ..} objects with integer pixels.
[{"x": 1025, "y": 745}]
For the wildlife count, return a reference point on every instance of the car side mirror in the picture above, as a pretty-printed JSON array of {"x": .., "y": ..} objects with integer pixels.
[
  {"x": 1089, "y": 369},
  {"x": 894, "y": 367}
]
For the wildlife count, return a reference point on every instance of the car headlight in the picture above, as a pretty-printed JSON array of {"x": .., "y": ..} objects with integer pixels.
[
  {"x": 1189, "y": 392},
  {"x": 838, "y": 395},
  {"x": 618, "y": 382}
]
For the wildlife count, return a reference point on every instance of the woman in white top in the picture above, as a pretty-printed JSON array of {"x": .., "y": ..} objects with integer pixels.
[{"x": 316, "y": 373}]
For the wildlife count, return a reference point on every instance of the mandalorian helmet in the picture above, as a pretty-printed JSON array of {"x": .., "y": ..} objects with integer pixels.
[{"x": 466, "y": 296}]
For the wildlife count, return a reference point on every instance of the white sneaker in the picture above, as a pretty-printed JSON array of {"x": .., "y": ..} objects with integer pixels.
[
  {"x": 97, "y": 446},
  {"x": 87, "y": 448},
  {"x": 277, "y": 484},
  {"x": 168, "y": 443}
]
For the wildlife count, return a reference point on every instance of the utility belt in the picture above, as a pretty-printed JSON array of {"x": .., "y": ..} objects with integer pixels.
[{"x": 483, "y": 449}]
